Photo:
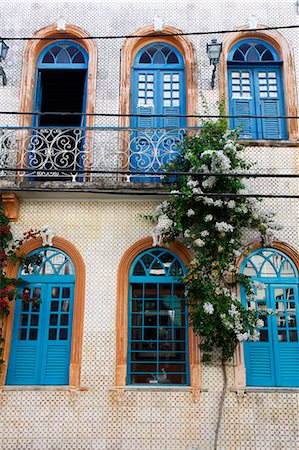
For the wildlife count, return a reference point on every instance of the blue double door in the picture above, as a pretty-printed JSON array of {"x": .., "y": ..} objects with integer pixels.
[
  {"x": 42, "y": 334},
  {"x": 158, "y": 103}
]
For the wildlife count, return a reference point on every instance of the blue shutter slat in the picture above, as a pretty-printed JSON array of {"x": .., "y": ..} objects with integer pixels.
[
  {"x": 24, "y": 368},
  {"x": 145, "y": 122},
  {"x": 289, "y": 365},
  {"x": 56, "y": 364},
  {"x": 243, "y": 108},
  {"x": 271, "y": 127},
  {"x": 259, "y": 365},
  {"x": 172, "y": 122}
]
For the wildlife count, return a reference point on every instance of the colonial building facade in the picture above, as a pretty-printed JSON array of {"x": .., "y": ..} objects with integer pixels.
[{"x": 98, "y": 99}]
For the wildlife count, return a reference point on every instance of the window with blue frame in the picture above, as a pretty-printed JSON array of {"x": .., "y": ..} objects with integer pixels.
[
  {"x": 274, "y": 359},
  {"x": 158, "y": 99},
  {"x": 60, "y": 87},
  {"x": 42, "y": 332},
  {"x": 256, "y": 89},
  {"x": 158, "y": 320}
]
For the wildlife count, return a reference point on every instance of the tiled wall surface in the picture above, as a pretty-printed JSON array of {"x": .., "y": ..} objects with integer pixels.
[{"x": 103, "y": 230}]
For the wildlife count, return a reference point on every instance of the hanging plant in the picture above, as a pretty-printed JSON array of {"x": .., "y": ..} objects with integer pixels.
[{"x": 212, "y": 226}]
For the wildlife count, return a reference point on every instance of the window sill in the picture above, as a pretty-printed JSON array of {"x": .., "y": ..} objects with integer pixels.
[
  {"x": 38, "y": 388},
  {"x": 269, "y": 143},
  {"x": 265, "y": 390},
  {"x": 119, "y": 391}
]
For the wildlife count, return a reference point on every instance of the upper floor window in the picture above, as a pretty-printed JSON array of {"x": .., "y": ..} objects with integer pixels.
[
  {"x": 256, "y": 89},
  {"x": 274, "y": 359},
  {"x": 158, "y": 320},
  {"x": 42, "y": 331},
  {"x": 158, "y": 94}
]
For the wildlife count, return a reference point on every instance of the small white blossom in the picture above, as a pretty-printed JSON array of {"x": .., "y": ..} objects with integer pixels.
[
  {"x": 199, "y": 242},
  {"x": 208, "y": 218},
  {"x": 192, "y": 184},
  {"x": 237, "y": 253},
  {"x": 164, "y": 223},
  {"x": 242, "y": 336},
  {"x": 196, "y": 191},
  {"x": 204, "y": 233},
  {"x": 259, "y": 323},
  {"x": 175, "y": 192},
  {"x": 208, "y": 201},
  {"x": 231, "y": 204},
  {"x": 209, "y": 182},
  {"x": 187, "y": 233},
  {"x": 190, "y": 212},
  {"x": 223, "y": 226},
  {"x": 208, "y": 308},
  {"x": 255, "y": 336},
  {"x": 218, "y": 203}
]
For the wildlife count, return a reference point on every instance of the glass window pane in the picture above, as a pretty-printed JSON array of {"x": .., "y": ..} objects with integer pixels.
[
  {"x": 282, "y": 336},
  {"x": 63, "y": 332},
  {"x": 66, "y": 291},
  {"x": 281, "y": 321},
  {"x": 22, "y": 334},
  {"x": 65, "y": 305},
  {"x": 52, "y": 334},
  {"x": 24, "y": 320},
  {"x": 53, "y": 319},
  {"x": 293, "y": 335},
  {"x": 292, "y": 322},
  {"x": 33, "y": 334},
  {"x": 55, "y": 292},
  {"x": 54, "y": 305},
  {"x": 34, "y": 320},
  {"x": 150, "y": 291},
  {"x": 264, "y": 336}
]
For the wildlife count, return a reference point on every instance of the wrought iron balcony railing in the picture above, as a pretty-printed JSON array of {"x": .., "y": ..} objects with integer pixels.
[{"x": 80, "y": 154}]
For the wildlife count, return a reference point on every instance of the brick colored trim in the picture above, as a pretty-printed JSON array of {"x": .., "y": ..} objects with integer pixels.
[
  {"x": 281, "y": 45},
  {"x": 122, "y": 314},
  {"x": 11, "y": 205},
  {"x": 128, "y": 53},
  {"x": 31, "y": 53},
  {"x": 79, "y": 300}
]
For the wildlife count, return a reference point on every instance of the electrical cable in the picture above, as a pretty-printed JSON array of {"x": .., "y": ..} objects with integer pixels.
[{"x": 134, "y": 36}]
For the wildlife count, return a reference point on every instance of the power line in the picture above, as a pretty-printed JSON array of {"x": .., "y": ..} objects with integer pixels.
[
  {"x": 199, "y": 116},
  {"x": 79, "y": 172},
  {"x": 134, "y": 36}
]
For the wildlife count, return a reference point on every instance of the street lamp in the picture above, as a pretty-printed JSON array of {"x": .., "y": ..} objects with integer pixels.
[
  {"x": 214, "y": 49},
  {"x": 3, "y": 52}
]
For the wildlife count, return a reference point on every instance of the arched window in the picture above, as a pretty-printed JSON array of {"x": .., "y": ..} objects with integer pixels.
[
  {"x": 42, "y": 328},
  {"x": 158, "y": 95},
  {"x": 274, "y": 359},
  {"x": 256, "y": 89},
  {"x": 158, "y": 321}
]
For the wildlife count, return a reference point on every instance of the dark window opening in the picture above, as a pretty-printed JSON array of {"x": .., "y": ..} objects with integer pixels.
[{"x": 62, "y": 91}]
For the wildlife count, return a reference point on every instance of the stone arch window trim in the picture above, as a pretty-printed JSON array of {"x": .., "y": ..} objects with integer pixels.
[
  {"x": 78, "y": 314},
  {"x": 239, "y": 361},
  {"x": 122, "y": 316},
  {"x": 283, "y": 49},
  {"x": 31, "y": 53},
  {"x": 128, "y": 53}
]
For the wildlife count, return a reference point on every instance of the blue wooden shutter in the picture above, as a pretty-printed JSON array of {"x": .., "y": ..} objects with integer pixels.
[
  {"x": 269, "y": 102},
  {"x": 23, "y": 365},
  {"x": 57, "y": 334},
  {"x": 285, "y": 334},
  {"x": 241, "y": 94}
]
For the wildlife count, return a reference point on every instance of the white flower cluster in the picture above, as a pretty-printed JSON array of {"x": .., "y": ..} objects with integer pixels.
[
  {"x": 224, "y": 227},
  {"x": 204, "y": 233},
  {"x": 162, "y": 207},
  {"x": 208, "y": 218},
  {"x": 218, "y": 203},
  {"x": 199, "y": 242},
  {"x": 187, "y": 233},
  {"x": 208, "y": 308},
  {"x": 192, "y": 184},
  {"x": 208, "y": 201},
  {"x": 164, "y": 223},
  {"x": 232, "y": 321},
  {"x": 219, "y": 161},
  {"x": 209, "y": 182},
  {"x": 190, "y": 212}
]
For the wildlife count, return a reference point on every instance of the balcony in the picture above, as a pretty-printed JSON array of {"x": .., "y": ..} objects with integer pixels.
[{"x": 56, "y": 158}]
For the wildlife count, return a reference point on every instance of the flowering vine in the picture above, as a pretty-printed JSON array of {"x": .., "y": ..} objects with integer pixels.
[
  {"x": 9, "y": 286},
  {"x": 208, "y": 215}
]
